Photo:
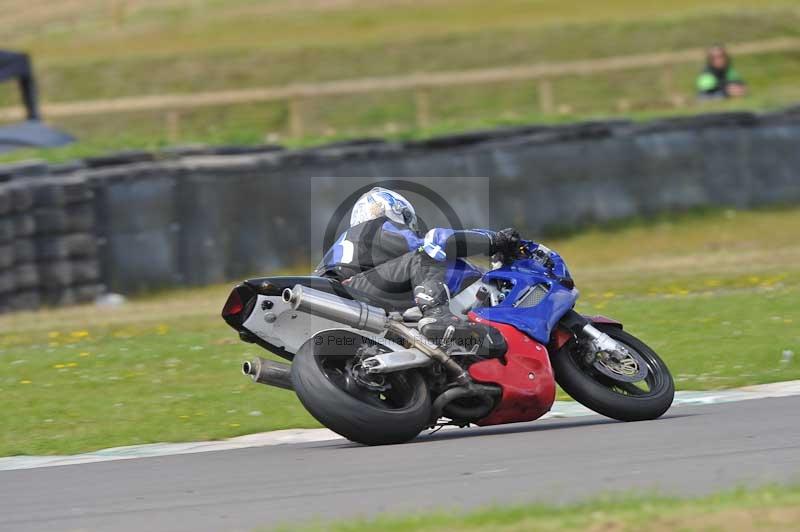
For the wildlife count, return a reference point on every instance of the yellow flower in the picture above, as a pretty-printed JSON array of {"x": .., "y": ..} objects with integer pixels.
[
  {"x": 72, "y": 364},
  {"x": 58, "y": 366},
  {"x": 84, "y": 354},
  {"x": 79, "y": 334},
  {"x": 162, "y": 329},
  {"x": 53, "y": 334},
  {"x": 26, "y": 381}
]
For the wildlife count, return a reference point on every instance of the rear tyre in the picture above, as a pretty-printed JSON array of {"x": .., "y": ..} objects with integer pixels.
[
  {"x": 623, "y": 401},
  {"x": 396, "y": 415}
]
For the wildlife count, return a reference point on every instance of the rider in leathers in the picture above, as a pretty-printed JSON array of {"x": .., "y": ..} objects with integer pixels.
[{"x": 383, "y": 255}]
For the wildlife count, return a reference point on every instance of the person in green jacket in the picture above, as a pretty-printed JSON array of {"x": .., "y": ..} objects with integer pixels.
[{"x": 719, "y": 79}]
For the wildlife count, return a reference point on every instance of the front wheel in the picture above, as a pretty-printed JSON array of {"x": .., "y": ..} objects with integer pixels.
[
  {"x": 326, "y": 384},
  {"x": 633, "y": 388}
]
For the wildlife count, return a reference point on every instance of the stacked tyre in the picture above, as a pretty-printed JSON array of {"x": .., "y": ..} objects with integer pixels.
[{"x": 48, "y": 251}]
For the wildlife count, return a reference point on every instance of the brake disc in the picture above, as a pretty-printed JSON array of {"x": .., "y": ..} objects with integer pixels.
[{"x": 627, "y": 366}]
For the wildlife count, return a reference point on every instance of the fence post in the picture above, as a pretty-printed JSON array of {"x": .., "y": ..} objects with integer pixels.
[
  {"x": 422, "y": 104},
  {"x": 668, "y": 81},
  {"x": 678, "y": 101},
  {"x": 119, "y": 10},
  {"x": 296, "y": 126},
  {"x": 546, "y": 96},
  {"x": 173, "y": 125}
]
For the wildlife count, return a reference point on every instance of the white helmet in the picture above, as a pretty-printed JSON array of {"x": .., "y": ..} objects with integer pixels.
[{"x": 383, "y": 202}]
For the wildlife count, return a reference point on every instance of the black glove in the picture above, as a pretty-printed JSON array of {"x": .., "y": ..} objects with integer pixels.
[{"x": 506, "y": 242}]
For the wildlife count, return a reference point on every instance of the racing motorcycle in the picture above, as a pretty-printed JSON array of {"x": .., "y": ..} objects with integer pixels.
[{"x": 362, "y": 368}]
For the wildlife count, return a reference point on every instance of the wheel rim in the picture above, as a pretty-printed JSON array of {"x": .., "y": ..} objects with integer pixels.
[
  {"x": 638, "y": 374},
  {"x": 399, "y": 393}
]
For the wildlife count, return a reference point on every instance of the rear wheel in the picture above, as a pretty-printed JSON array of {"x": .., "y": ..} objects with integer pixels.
[
  {"x": 634, "y": 387},
  {"x": 393, "y": 410}
]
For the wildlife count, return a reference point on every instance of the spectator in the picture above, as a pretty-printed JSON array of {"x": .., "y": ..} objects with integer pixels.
[{"x": 719, "y": 79}]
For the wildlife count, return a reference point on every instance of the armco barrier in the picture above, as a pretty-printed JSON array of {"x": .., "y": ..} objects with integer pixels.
[{"x": 132, "y": 221}]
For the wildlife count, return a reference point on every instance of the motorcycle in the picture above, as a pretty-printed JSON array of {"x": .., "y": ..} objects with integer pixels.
[{"x": 361, "y": 367}]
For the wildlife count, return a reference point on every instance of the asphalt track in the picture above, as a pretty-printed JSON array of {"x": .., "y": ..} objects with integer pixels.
[{"x": 692, "y": 450}]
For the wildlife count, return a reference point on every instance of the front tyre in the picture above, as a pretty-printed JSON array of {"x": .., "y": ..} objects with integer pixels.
[
  {"x": 607, "y": 388},
  {"x": 325, "y": 386}
]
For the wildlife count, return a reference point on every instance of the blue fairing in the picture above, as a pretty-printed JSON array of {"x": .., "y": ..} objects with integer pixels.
[
  {"x": 461, "y": 273},
  {"x": 538, "y": 321}
]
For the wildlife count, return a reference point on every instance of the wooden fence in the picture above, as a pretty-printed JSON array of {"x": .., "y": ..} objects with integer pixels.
[{"x": 421, "y": 84}]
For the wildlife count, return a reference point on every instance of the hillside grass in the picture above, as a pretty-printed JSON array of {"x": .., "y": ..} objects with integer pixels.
[
  {"x": 86, "y": 30},
  {"x": 774, "y": 508},
  {"x": 714, "y": 293},
  {"x": 88, "y": 49}
]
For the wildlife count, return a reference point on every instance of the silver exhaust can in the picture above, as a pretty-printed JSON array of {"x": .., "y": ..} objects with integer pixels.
[
  {"x": 330, "y": 306},
  {"x": 269, "y": 372}
]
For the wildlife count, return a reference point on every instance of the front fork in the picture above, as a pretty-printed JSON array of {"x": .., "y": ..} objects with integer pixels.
[{"x": 583, "y": 328}]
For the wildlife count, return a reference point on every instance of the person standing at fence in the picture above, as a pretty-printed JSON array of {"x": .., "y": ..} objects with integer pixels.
[
  {"x": 719, "y": 79},
  {"x": 18, "y": 65}
]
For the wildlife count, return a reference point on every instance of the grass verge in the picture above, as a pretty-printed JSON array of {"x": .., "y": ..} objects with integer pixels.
[
  {"x": 714, "y": 293},
  {"x": 771, "y": 508}
]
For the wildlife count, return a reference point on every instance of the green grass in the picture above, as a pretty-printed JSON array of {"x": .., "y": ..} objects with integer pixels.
[
  {"x": 714, "y": 293},
  {"x": 87, "y": 30},
  {"x": 169, "y": 47},
  {"x": 772, "y": 508}
]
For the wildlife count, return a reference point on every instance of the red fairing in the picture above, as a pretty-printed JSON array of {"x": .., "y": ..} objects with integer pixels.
[
  {"x": 604, "y": 320},
  {"x": 560, "y": 337},
  {"x": 529, "y": 387}
]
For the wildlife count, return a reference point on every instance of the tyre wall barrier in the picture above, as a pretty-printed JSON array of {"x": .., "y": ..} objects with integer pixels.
[
  {"x": 48, "y": 244},
  {"x": 135, "y": 221}
]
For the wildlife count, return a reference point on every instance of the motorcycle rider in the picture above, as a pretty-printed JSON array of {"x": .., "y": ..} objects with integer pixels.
[{"x": 383, "y": 254}]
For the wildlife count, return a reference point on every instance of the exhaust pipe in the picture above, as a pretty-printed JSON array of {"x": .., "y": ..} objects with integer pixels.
[
  {"x": 347, "y": 311},
  {"x": 269, "y": 372},
  {"x": 368, "y": 318},
  {"x": 485, "y": 394}
]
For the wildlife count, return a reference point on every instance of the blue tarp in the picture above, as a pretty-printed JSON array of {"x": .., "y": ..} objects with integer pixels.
[{"x": 31, "y": 134}]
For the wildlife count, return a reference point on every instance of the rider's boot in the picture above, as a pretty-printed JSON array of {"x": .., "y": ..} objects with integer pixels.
[{"x": 433, "y": 300}]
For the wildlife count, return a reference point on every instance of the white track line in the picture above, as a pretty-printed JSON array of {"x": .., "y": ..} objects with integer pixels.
[{"x": 561, "y": 409}]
